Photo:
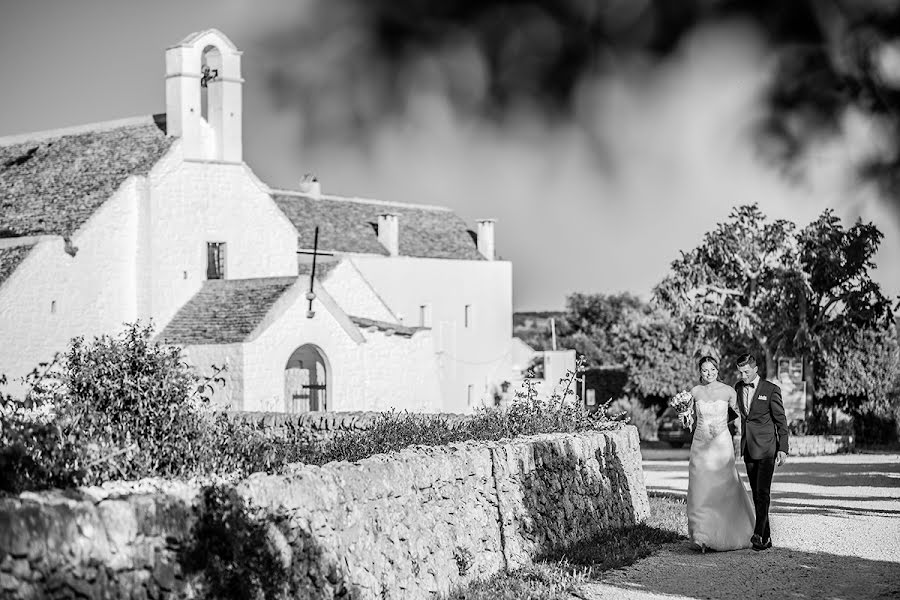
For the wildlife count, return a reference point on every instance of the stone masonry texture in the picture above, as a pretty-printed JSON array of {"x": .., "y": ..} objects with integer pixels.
[{"x": 408, "y": 524}]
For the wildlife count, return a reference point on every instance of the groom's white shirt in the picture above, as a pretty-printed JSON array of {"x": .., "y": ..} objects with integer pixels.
[{"x": 752, "y": 387}]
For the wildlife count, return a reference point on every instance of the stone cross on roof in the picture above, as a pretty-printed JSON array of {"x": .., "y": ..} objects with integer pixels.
[{"x": 311, "y": 295}]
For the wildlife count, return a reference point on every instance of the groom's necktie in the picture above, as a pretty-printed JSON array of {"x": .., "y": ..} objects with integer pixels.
[{"x": 745, "y": 399}]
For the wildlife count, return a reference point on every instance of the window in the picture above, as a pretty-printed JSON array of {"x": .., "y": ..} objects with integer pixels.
[
  {"x": 467, "y": 316},
  {"x": 425, "y": 315},
  {"x": 215, "y": 260},
  {"x": 470, "y": 395},
  {"x": 591, "y": 397}
]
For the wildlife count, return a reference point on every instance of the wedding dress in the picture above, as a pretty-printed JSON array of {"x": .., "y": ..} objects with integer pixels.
[{"x": 719, "y": 510}]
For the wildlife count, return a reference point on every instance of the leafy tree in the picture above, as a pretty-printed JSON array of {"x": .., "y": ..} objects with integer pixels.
[
  {"x": 859, "y": 372},
  {"x": 763, "y": 284},
  {"x": 842, "y": 59},
  {"x": 861, "y": 376},
  {"x": 655, "y": 350},
  {"x": 591, "y": 319},
  {"x": 731, "y": 288}
]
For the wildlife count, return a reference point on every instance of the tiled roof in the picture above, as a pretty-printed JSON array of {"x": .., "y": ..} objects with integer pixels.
[
  {"x": 323, "y": 267},
  {"x": 403, "y": 330},
  {"x": 54, "y": 183},
  {"x": 350, "y": 225},
  {"x": 10, "y": 257},
  {"x": 225, "y": 311}
]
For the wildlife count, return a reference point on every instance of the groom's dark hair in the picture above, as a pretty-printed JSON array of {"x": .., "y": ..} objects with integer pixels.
[{"x": 745, "y": 360}]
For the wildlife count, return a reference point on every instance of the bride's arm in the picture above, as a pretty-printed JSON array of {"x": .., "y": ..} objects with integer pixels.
[{"x": 693, "y": 414}]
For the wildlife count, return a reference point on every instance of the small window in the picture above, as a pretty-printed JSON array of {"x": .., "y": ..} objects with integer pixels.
[
  {"x": 215, "y": 260},
  {"x": 467, "y": 317},
  {"x": 53, "y": 306},
  {"x": 591, "y": 397},
  {"x": 470, "y": 395},
  {"x": 425, "y": 315}
]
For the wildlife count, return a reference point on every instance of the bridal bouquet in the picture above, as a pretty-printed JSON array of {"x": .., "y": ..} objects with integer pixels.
[{"x": 682, "y": 403}]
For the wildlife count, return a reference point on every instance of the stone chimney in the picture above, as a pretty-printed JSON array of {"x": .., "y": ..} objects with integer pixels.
[
  {"x": 310, "y": 186},
  {"x": 486, "y": 238},
  {"x": 389, "y": 232}
]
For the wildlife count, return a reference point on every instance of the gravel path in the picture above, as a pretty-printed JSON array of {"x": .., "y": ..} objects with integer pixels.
[{"x": 835, "y": 526}]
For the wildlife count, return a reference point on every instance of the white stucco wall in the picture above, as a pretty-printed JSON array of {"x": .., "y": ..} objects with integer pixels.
[
  {"x": 192, "y": 203},
  {"x": 478, "y": 355},
  {"x": 94, "y": 291},
  {"x": 354, "y": 294},
  {"x": 202, "y": 358},
  {"x": 381, "y": 373}
]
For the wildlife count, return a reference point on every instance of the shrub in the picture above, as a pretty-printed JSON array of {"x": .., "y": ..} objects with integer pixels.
[
  {"x": 642, "y": 417},
  {"x": 527, "y": 415},
  {"x": 231, "y": 546},
  {"x": 125, "y": 408}
]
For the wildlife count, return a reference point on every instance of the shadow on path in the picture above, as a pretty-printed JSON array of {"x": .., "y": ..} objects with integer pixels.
[{"x": 780, "y": 573}]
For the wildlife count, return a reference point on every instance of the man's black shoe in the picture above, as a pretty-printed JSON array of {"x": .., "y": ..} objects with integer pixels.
[{"x": 758, "y": 543}]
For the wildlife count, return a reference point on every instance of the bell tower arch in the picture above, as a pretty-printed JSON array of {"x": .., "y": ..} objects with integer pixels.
[{"x": 203, "y": 96}]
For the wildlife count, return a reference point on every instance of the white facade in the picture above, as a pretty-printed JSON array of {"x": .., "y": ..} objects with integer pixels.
[
  {"x": 393, "y": 331},
  {"x": 471, "y": 355}
]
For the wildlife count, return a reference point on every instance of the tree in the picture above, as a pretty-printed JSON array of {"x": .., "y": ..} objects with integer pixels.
[
  {"x": 860, "y": 375},
  {"x": 731, "y": 288},
  {"x": 842, "y": 59},
  {"x": 761, "y": 283},
  {"x": 859, "y": 372},
  {"x": 837, "y": 298},
  {"x": 590, "y": 319},
  {"x": 655, "y": 350}
]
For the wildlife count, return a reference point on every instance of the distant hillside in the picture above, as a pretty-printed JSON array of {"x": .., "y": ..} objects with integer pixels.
[{"x": 534, "y": 328}]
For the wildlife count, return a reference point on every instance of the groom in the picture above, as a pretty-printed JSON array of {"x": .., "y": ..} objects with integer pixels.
[{"x": 764, "y": 440}]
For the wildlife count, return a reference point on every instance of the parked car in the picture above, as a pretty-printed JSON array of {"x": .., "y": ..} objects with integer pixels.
[{"x": 669, "y": 429}]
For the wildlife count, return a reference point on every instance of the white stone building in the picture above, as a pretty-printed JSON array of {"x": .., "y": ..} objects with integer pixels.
[{"x": 158, "y": 219}]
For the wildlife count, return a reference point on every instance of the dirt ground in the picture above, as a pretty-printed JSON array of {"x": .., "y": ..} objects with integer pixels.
[{"x": 835, "y": 529}]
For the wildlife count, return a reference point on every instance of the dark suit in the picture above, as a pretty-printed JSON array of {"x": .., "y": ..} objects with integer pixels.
[{"x": 764, "y": 433}]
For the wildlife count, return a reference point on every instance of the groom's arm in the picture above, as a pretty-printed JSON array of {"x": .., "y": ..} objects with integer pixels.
[
  {"x": 733, "y": 411},
  {"x": 776, "y": 408}
]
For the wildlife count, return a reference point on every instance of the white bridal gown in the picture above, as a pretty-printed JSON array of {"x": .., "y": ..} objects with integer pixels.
[{"x": 719, "y": 510}]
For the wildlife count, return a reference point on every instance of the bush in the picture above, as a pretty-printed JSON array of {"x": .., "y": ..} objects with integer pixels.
[
  {"x": 642, "y": 417},
  {"x": 231, "y": 546},
  {"x": 397, "y": 430},
  {"x": 126, "y": 408}
]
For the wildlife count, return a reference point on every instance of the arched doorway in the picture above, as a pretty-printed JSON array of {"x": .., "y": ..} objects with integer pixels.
[{"x": 306, "y": 377}]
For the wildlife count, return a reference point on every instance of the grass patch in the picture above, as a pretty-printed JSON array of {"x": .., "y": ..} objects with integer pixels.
[{"x": 558, "y": 576}]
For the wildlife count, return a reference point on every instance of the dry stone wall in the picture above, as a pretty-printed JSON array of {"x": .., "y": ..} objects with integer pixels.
[
  {"x": 408, "y": 524},
  {"x": 817, "y": 445}
]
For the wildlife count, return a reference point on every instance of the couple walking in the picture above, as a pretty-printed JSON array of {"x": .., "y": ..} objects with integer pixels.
[{"x": 720, "y": 514}]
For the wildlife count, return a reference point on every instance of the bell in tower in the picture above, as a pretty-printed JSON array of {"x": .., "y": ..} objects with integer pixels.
[{"x": 203, "y": 96}]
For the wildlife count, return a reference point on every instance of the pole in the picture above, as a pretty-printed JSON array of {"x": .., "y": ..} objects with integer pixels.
[{"x": 553, "y": 331}]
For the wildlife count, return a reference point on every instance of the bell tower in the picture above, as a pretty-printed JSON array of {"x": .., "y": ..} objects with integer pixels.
[{"x": 203, "y": 96}]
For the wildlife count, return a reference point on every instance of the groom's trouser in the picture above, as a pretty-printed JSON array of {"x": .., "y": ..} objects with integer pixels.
[{"x": 760, "y": 474}]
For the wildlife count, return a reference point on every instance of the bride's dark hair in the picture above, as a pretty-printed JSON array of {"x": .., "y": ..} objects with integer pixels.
[{"x": 707, "y": 359}]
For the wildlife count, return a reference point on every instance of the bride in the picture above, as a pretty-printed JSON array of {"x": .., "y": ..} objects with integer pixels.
[{"x": 719, "y": 510}]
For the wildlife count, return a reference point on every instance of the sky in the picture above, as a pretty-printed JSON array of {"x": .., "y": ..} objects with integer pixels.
[{"x": 677, "y": 155}]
